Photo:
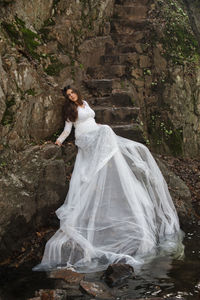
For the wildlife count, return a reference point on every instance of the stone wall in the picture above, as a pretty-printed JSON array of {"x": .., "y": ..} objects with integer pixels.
[{"x": 171, "y": 99}]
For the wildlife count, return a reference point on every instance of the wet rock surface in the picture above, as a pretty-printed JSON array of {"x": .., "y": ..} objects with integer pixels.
[
  {"x": 164, "y": 277},
  {"x": 68, "y": 276},
  {"x": 96, "y": 289},
  {"x": 117, "y": 274}
]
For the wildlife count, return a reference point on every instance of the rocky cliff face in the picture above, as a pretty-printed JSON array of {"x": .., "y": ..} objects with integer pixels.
[
  {"x": 137, "y": 54},
  {"x": 174, "y": 112},
  {"x": 39, "y": 53}
]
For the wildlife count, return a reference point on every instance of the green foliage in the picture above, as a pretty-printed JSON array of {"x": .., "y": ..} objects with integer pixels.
[
  {"x": 3, "y": 165},
  {"x": 147, "y": 72}
]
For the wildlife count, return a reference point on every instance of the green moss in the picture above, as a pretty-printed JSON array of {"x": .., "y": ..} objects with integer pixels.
[
  {"x": 12, "y": 32},
  {"x": 31, "y": 42},
  {"x": 19, "y": 22},
  {"x": 31, "y": 92},
  {"x": 164, "y": 135},
  {"x": 54, "y": 68},
  {"x": 181, "y": 45},
  {"x": 20, "y": 35},
  {"x": 179, "y": 42},
  {"x": 45, "y": 30},
  {"x": 49, "y": 22}
]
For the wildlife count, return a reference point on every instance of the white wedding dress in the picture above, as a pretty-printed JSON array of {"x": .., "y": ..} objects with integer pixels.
[{"x": 118, "y": 208}]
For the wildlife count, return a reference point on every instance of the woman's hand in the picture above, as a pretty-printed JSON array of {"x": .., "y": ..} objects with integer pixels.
[{"x": 57, "y": 142}]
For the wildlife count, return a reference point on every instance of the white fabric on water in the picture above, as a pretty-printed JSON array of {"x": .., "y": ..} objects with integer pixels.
[{"x": 118, "y": 207}]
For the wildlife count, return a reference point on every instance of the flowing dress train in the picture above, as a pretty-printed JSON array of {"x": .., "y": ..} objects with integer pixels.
[{"x": 118, "y": 207}]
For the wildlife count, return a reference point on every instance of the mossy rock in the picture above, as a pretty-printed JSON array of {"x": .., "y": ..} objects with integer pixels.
[
  {"x": 178, "y": 39},
  {"x": 22, "y": 36},
  {"x": 163, "y": 135},
  {"x": 54, "y": 68}
]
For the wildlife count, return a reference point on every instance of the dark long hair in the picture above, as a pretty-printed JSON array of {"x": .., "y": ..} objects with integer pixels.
[{"x": 70, "y": 112}]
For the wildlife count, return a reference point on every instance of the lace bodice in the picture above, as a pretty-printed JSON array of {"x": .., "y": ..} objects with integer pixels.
[{"x": 84, "y": 123}]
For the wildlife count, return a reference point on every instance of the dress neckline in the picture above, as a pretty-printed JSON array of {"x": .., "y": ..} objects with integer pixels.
[{"x": 84, "y": 105}]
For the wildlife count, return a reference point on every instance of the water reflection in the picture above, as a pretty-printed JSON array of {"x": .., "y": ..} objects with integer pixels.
[{"x": 163, "y": 276}]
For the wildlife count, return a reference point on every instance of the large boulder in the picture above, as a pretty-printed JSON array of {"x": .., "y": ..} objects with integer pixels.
[
  {"x": 34, "y": 184},
  {"x": 180, "y": 193}
]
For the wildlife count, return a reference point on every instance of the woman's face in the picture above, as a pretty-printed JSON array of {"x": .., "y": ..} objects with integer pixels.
[{"x": 72, "y": 95}]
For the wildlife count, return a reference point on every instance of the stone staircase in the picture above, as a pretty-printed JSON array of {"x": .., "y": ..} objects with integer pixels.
[{"x": 111, "y": 100}]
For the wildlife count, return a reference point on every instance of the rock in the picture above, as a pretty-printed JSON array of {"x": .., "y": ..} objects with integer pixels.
[
  {"x": 144, "y": 61},
  {"x": 92, "y": 50},
  {"x": 100, "y": 87},
  {"x": 114, "y": 115},
  {"x": 2, "y": 103},
  {"x": 34, "y": 15},
  {"x": 194, "y": 15},
  {"x": 96, "y": 289},
  {"x": 33, "y": 186},
  {"x": 154, "y": 298},
  {"x": 159, "y": 61},
  {"x": 117, "y": 274},
  {"x": 56, "y": 294},
  {"x": 136, "y": 73},
  {"x": 179, "y": 192},
  {"x": 68, "y": 276}
]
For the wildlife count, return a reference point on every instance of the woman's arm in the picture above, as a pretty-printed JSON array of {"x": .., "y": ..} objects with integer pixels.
[{"x": 65, "y": 133}]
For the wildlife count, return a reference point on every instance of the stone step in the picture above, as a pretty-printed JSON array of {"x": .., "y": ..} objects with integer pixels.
[
  {"x": 108, "y": 71},
  {"x": 110, "y": 59},
  {"x": 116, "y": 99},
  {"x": 134, "y": 36},
  {"x": 131, "y": 131},
  {"x": 99, "y": 87},
  {"x": 131, "y": 2},
  {"x": 136, "y": 12},
  {"x": 121, "y": 52},
  {"x": 125, "y": 26},
  {"x": 121, "y": 59},
  {"x": 126, "y": 48},
  {"x": 116, "y": 115}
]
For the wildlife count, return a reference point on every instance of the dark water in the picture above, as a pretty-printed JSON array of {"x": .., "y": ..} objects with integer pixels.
[{"x": 163, "y": 277}]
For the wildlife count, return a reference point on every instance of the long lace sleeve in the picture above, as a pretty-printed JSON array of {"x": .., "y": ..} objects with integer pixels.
[{"x": 66, "y": 132}]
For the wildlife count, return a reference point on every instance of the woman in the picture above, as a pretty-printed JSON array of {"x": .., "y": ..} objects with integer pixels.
[{"x": 118, "y": 208}]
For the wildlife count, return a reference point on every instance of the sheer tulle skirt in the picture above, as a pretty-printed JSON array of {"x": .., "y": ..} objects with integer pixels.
[{"x": 118, "y": 208}]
